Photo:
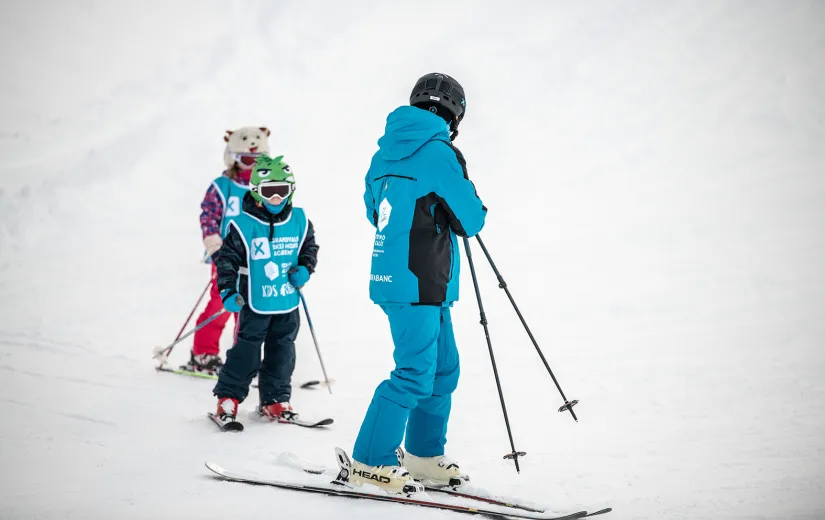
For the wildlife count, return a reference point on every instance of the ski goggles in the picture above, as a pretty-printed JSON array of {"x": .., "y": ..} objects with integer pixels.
[
  {"x": 246, "y": 159},
  {"x": 267, "y": 190}
]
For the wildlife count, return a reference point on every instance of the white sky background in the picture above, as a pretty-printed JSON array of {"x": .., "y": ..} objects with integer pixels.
[{"x": 655, "y": 173}]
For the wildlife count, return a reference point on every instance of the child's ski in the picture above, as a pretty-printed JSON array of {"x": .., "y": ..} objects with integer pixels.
[
  {"x": 294, "y": 418},
  {"x": 341, "y": 489},
  {"x": 184, "y": 372},
  {"x": 310, "y": 424},
  {"x": 226, "y": 426}
]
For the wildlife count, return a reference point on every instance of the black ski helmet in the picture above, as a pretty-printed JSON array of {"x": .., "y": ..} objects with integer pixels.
[{"x": 440, "y": 94}]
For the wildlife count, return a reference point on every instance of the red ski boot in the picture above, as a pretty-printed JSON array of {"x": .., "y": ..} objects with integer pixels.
[
  {"x": 226, "y": 416},
  {"x": 281, "y": 412},
  {"x": 227, "y": 409}
]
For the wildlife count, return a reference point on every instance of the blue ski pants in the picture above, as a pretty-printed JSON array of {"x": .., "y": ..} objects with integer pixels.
[{"x": 416, "y": 399}]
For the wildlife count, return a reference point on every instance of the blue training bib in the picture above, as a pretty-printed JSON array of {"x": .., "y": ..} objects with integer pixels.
[
  {"x": 268, "y": 289},
  {"x": 231, "y": 193}
]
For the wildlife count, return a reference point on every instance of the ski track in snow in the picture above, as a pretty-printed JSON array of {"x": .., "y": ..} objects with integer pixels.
[{"x": 654, "y": 173}]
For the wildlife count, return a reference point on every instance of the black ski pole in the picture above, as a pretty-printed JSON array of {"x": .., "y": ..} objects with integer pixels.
[
  {"x": 315, "y": 340},
  {"x": 568, "y": 405},
  {"x": 513, "y": 453}
]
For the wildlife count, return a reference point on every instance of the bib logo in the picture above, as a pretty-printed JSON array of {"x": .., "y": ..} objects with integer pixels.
[
  {"x": 384, "y": 210},
  {"x": 386, "y": 278},
  {"x": 271, "y": 270},
  {"x": 260, "y": 249},
  {"x": 233, "y": 206},
  {"x": 273, "y": 291},
  {"x": 269, "y": 291}
]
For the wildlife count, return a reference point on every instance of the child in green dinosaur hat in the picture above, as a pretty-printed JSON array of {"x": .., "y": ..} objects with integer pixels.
[{"x": 269, "y": 252}]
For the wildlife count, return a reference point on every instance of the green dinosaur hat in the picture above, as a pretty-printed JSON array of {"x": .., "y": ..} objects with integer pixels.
[{"x": 271, "y": 177}]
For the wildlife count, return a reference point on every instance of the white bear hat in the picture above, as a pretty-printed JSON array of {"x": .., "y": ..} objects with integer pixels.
[{"x": 244, "y": 146}]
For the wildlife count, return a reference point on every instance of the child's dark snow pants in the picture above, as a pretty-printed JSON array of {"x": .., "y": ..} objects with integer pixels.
[{"x": 277, "y": 332}]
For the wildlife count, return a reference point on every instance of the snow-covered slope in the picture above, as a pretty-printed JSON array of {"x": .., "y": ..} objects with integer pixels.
[{"x": 655, "y": 174}]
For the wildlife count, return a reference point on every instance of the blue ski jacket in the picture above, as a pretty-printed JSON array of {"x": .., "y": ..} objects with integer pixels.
[{"x": 419, "y": 198}]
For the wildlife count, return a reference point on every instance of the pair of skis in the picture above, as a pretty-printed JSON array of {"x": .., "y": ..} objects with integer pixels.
[
  {"x": 494, "y": 508},
  {"x": 233, "y": 425}
]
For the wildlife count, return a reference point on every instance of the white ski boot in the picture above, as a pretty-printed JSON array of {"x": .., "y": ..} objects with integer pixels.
[
  {"x": 438, "y": 471},
  {"x": 394, "y": 479}
]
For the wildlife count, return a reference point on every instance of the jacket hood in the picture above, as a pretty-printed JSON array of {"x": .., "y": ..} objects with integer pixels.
[{"x": 408, "y": 129}]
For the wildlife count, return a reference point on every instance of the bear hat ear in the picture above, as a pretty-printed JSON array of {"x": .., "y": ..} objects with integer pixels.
[
  {"x": 228, "y": 134},
  {"x": 264, "y": 130}
]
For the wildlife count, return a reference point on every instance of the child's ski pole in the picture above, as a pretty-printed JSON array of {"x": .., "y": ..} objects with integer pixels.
[
  {"x": 162, "y": 353},
  {"x": 185, "y": 323},
  {"x": 315, "y": 340}
]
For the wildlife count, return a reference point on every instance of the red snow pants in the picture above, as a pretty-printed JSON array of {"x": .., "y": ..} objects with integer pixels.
[{"x": 207, "y": 340}]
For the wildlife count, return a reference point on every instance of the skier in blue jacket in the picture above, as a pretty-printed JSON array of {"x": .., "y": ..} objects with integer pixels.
[{"x": 419, "y": 199}]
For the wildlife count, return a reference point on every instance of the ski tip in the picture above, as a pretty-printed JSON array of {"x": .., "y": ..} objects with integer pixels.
[
  {"x": 233, "y": 427},
  {"x": 600, "y": 512},
  {"x": 312, "y": 385},
  {"x": 211, "y": 466}
]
